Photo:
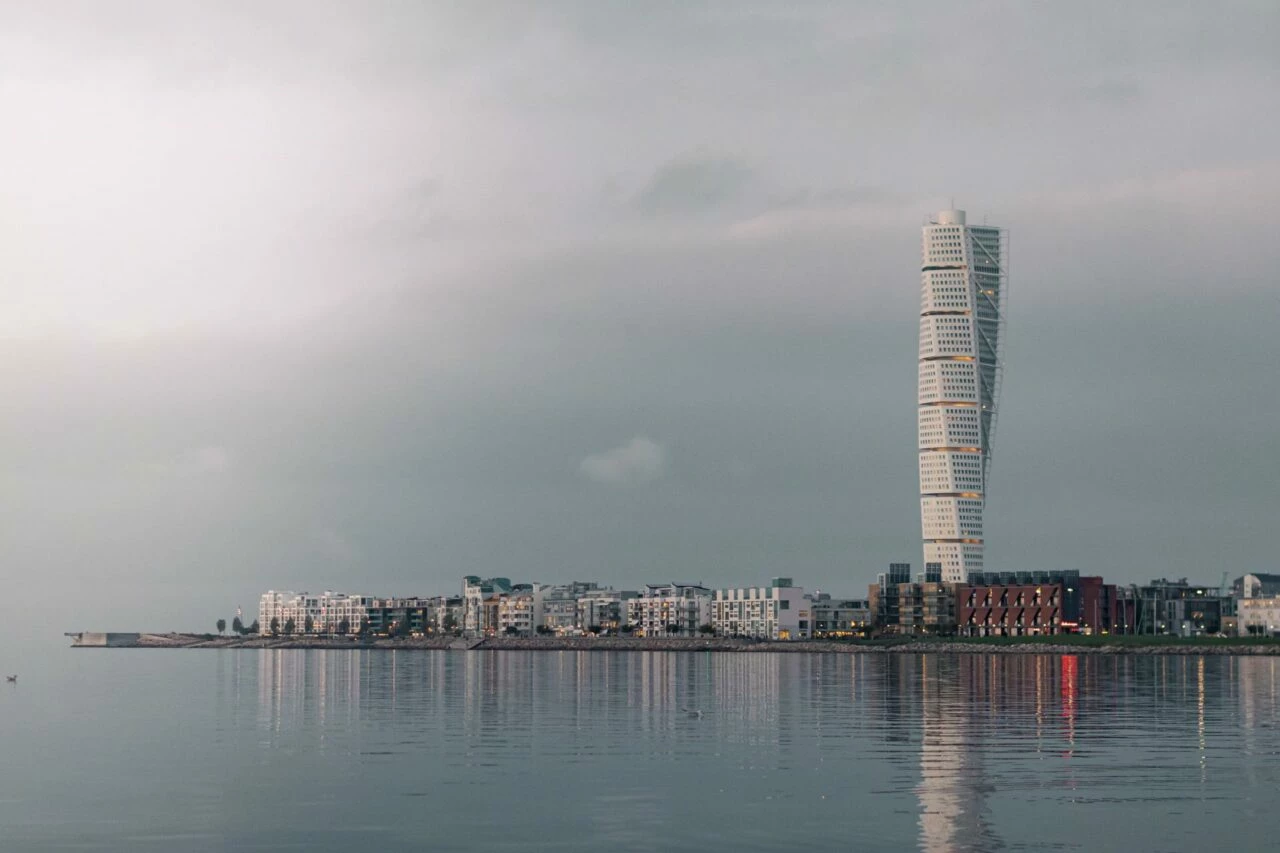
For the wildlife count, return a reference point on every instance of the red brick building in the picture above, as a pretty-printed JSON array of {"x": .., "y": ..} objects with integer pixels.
[
  {"x": 1009, "y": 610},
  {"x": 1022, "y": 604}
]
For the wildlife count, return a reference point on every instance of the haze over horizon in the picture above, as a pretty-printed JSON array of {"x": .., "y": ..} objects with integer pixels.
[{"x": 371, "y": 296}]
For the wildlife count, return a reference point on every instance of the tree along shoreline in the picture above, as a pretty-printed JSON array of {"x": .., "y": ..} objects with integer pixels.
[{"x": 1060, "y": 644}]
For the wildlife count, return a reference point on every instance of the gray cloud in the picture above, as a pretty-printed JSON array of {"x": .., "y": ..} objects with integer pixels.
[
  {"x": 692, "y": 185},
  {"x": 362, "y": 281}
]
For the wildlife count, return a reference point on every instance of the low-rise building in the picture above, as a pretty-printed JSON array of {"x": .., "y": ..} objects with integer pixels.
[
  {"x": 448, "y": 614},
  {"x": 1178, "y": 607},
  {"x": 882, "y": 596},
  {"x": 927, "y": 607},
  {"x": 1018, "y": 604},
  {"x": 901, "y": 605},
  {"x": 674, "y": 608},
  {"x": 519, "y": 613},
  {"x": 1010, "y": 610},
  {"x": 603, "y": 610},
  {"x": 1258, "y": 617},
  {"x": 779, "y": 611},
  {"x": 402, "y": 616},
  {"x": 560, "y": 613},
  {"x": 840, "y": 617},
  {"x": 560, "y": 607}
]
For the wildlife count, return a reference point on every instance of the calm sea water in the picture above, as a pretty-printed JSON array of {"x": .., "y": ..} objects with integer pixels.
[{"x": 382, "y": 751}]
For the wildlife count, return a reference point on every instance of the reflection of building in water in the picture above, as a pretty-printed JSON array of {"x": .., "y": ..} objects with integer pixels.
[
  {"x": 1258, "y": 686},
  {"x": 952, "y": 790},
  {"x": 298, "y": 688}
]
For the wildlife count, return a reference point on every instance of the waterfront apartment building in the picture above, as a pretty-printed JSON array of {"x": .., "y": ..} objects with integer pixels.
[
  {"x": 479, "y": 618},
  {"x": 1181, "y": 608},
  {"x": 964, "y": 284},
  {"x": 1011, "y": 610},
  {"x": 560, "y": 607},
  {"x": 603, "y": 609},
  {"x": 1258, "y": 616},
  {"x": 674, "y": 608},
  {"x": 1016, "y": 604},
  {"x": 882, "y": 596},
  {"x": 927, "y": 607},
  {"x": 1257, "y": 604},
  {"x": 519, "y": 612},
  {"x": 403, "y": 616},
  {"x": 779, "y": 611},
  {"x": 840, "y": 617},
  {"x": 281, "y": 611}
]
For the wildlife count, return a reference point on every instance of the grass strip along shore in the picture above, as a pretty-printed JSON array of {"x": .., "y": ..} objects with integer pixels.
[{"x": 1059, "y": 644}]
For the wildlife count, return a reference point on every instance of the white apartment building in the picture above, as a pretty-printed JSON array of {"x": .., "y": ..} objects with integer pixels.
[
  {"x": 675, "y": 608},
  {"x": 964, "y": 285},
  {"x": 519, "y": 613},
  {"x": 1258, "y": 616},
  {"x": 780, "y": 611},
  {"x": 475, "y": 591},
  {"x": 310, "y": 613}
]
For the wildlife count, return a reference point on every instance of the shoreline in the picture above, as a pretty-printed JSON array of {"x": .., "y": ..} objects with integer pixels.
[{"x": 1125, "y": 645}]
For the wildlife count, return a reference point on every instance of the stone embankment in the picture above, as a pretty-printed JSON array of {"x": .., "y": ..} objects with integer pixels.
[
  {"x": 1127, "y": 646},
  {"x": 939, "y": 646}
]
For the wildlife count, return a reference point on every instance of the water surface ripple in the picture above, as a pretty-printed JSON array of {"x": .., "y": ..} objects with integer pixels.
[{"x": 582, "y": 751}]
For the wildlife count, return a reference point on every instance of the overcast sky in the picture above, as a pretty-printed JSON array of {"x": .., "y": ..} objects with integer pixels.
[{"x": 368, "y": 296}]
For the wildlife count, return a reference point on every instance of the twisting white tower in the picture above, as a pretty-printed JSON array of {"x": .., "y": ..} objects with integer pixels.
[{"x": 962, "y": 297}]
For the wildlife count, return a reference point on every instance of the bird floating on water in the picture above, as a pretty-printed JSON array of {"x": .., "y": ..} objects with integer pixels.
[{"x": 692, "y": 712}]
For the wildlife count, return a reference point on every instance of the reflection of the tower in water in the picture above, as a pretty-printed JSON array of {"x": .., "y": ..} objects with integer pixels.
[
  {"x": 974, "y": 712},
  {"x": 1085, "y": 720},
  {"x": 951, "y": 785}
]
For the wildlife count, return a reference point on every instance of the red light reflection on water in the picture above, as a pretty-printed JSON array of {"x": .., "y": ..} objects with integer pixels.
[{"x": 1069, "y": 687}]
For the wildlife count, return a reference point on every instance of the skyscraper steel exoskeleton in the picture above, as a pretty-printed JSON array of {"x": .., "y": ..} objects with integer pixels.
[{"x": 964, "y": 288}]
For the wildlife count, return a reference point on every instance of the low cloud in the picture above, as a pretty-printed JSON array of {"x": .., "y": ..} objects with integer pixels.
[
  {"x": 640, "y": 460},
  {"x": 692, "y": 185}
]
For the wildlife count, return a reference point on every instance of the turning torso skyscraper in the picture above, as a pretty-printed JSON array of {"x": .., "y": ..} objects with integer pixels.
[{"x": 964, "y": 283}]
